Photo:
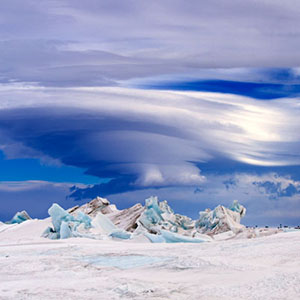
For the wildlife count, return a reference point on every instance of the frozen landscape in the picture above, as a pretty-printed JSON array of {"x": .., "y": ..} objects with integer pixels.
[
  {"x": 127, "y": 131},
  {"x": 146, "y": 252}
]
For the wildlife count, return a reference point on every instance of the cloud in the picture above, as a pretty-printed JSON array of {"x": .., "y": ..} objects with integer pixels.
[
  {"x": 264, "y": 206},
  {"x": 71, "y": 43},
  {"x": 34, "y": 196},
  {"x": 145, "y": 138}
]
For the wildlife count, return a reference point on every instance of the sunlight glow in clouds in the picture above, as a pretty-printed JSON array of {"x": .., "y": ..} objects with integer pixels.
[{"x": 156, "y": 136}]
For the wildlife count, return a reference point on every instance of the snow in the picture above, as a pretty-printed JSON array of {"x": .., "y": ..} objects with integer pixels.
[
  {"x": 162, "y": 255},
  {"x": 32, "y": 267}
]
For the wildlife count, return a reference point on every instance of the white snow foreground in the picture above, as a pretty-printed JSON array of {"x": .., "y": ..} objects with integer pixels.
[
  {"x": 32, "y": 267},
  {"x": 115, "y": 259},
  {"x": 156, "y": 223}
]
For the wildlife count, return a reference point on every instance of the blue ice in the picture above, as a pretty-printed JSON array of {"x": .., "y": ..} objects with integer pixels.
[
  {"x": 124, "y": 262},
  {"x": 19, "y": 217}
]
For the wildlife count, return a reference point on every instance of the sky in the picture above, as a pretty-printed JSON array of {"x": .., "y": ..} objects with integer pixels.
[{"x": 196, "y": 102}]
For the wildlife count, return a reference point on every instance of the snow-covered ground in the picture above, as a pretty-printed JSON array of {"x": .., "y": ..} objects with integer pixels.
[{"x": 32, "y": 267}]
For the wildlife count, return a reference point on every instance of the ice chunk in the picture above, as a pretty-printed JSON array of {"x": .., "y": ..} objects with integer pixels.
[
  {"x": 238, "y": 208},
  {"x": 221, "y": 219},
  {"x": 127, "y": 218},
  {"x": 58, "y": 215},
  {"x": 92, "y": 208},
  {"x": 103, "y": 224},
  {"x": 155, "y": 238},
  {"x": 64, "y": 224},
  {"x": 19, "y": 217},
  {"x": 50, "y": 234},
  {"x": 65, "y": 231},
  {"x": 159, "y": 215},
  {"x": 171, "y": 237},
  {"x": 84, "y": 219},
  {"x": 120, "y": 234}
]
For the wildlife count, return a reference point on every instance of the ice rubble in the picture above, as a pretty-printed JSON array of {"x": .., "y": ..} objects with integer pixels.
[
  {"x": 125, "y": 219},
  {"x": 66, "y": 225},
  {"x": 19, "y": 217},
  {"x": 221, "y": 219},
  {"x": 156, "y": 222}
]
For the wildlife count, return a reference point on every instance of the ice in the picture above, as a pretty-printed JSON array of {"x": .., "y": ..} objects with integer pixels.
[
  {"x": 127, "y": 218},
  {"x": 238, "y": 208},
  {"x": 155, "y": 238},
  {"x": 103, "y": 224},
  {"x": 160, "y": 224},
  {"x": 159, "y": 215},
  {"x": 221, "y": 219},
  {"x": 172, "y": 237},
  {"x": 92, "y": 208},
  {"x": 120, "y": 234},
  {"x": 19, "y": 217},
  {"x": 84, "y": 219},
  {"x": 156, "y": 221},
  {"x": 66, "y": 225},
  {"x": 65, "y": 231},
  {"x": 125, "y": 261}
]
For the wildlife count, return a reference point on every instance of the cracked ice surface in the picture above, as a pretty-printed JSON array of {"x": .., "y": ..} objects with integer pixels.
[{"x": 32, "y": 267}]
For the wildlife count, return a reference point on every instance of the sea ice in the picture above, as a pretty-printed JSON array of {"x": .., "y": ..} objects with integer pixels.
[
  {"x": 156, "y": 221},
  {"x": 103, "y": 224},
  {"x": 19, "y": 217},
  {"x": 124, "y": 261},
  {"x": 159, "y": 216},
  {"x": 221, "y": 219},
  {"x": 64, "y": 224}
]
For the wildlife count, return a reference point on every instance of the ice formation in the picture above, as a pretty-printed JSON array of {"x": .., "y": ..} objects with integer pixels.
[
  {"x": 155, "y": 222},
  {"x": 125, "y": 219},
  {"x": 221, "y": 219},
  {"x": 66, "y": 225},
  {"x": 159, "y": 216},
  {"x": 19, "y": 217},
  {"x": 93, "y": 207}
]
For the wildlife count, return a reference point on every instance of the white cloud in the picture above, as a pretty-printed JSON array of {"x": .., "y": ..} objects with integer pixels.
[
  {"x": 76, "y": 43},
  {"x": 155, "y": 135}
]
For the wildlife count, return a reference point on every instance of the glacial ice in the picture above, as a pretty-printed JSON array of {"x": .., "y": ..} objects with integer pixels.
[{"x": 19, "y": 217}]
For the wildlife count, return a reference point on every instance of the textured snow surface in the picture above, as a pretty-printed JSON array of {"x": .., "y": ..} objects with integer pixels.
[{"x": 32, "y": 267}]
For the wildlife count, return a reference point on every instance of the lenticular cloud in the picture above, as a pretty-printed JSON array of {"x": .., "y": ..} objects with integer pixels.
[{"x": 147, "y": 138}]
